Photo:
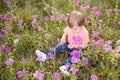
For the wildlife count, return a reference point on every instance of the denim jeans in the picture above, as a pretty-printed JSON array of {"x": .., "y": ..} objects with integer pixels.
[{"x": 59, "y": 48}]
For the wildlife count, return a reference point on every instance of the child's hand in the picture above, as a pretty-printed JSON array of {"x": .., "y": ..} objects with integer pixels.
[{"x": 70, "y": 46}]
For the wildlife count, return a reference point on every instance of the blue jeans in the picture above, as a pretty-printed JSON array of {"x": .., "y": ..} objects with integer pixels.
[{"x": 59, "y": 48}]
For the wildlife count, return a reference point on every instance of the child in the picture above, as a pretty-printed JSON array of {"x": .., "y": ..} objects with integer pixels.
[{"x": 75, "y": 35}]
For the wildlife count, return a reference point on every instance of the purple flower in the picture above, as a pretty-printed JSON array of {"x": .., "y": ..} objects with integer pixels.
[
  {"x": 7, "y": 29},
  {"x": 34, "y": 21},
  {"x": 108, "y": 10},
  {"x": 56, "y": 75},
  {"x": 85, "y": 61},
  {"x": 98, "y": 42},
  {"x": 3, "y": 45},
  {"x": 95, "y": 34},
  {"x": 52, "y": 17},
  {"x": 7, "y": 49},
  {"x": 75, "y": 60},
  {"x": 94, "y": 77},
  {"x": 38, "y": 75},
  {"x": 97, "y": 13},
  {"x": 1, "y": 49},
  {"x": 4, "y": 17},
  {"x": 51, "y": 7},
  {"x": 39, "y": 58},
  {"x": 23, "y": 59},
  {"x": 119, "y": 23},
  {"x": 50, "y": 54},
  {"x": 47, "y": 35},
  {"x": 20, "y": 21},
  {"x": 109, "y": 42},
  {"x": 76, "y": 38},
  {"x": 34, "y": 16},
  {"x": 63, "y": 16},
  {"x": 46, "y": 18},
  {"x": 118, "y": 41},
  {"x": 17, "y": 35},
  {"x": 1, "y": 35},
  {"x": 9, "y": 61},
  {"x": 7, "y": 1},
  {"x": 39, "y": 28},
  {"x": 89, "y": 16},
  {"x": 75, "y": 53},
  {"x": 76, "y": 2},
  {"x": 118, "y": 49},
  {"x": 74, "y": 70},
  {"x": 107, "y": 47},
  {"x": 19, "y": 74},
  {"x": 95, "y": 8},
  {"x": 85, "y": 6}
]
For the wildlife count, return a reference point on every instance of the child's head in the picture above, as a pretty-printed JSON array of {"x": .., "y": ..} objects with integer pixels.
[{"x": 75, "y": 18}]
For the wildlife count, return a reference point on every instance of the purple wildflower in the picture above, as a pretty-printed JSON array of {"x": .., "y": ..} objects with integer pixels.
[
  {"x": 20, "y": 21},
  {"x": 39, "y": 28},
  {"x": 17, "y": 35},
  {"x": 46, "y": 18},
  {"x": 47, "y": 35},
  {"x": 119, "y": 23},
  {"x": 89, "y": 16},
  {"x": 34, "y": 21},
  {"x": 34, "y": 16},
  {"x": 56, "y": 75},
  {"x": 98, "y": 42},
  {"x": 52, "y": 17},
  {"x": 94, "y": 77},
  {"x": 76, "y": 38},
  {"x": 118, "y": 49},
  {"x": 75, "y": 60},
  {"x": 76, "y": 2},
  {"x": 7, "y": 1},
  {"x": 7, "y": 49},
  {"x": 74, "y": 70},
  {"x": 39, "y": 58},
  {"x": 19, "y": 74},
  {"x": 95, "y": 8},
  {"x": 23, "y": 59},
  {"x": 95, "y": 34},
  {"x": 50, "y": 54},
  {"x": 7, "y": 29},
  {"x": 1, "y": 49},
  {"x": 51, "y": 7},
  {"x": 108, "y": 10},
  {"x": 118, "y": 41},
  {"x": 107, "y": 47},
  {"x": 5, "y": 17},
  {"x": 38, "y": 75},
  {"x": 75, "y": 53},
  {"x": 9, "y": 61},
  {"x": 97, "y": 13},
  {"x": 85, "y": 6},
  {"x": 85, "y": 61},
  {"x": 109, "y": 42},
  {"x": 1, "y": 35}
]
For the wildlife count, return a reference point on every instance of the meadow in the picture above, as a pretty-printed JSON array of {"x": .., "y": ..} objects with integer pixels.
[{"x": 27, "y": 25}]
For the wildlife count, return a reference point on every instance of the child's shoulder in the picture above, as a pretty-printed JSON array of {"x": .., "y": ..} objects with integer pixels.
[
  {"x": 85, "y": 30},
  {"x": 66, "y": 29}
]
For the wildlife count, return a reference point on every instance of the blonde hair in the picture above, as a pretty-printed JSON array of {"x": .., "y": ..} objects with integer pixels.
[{"x": 75, "y": 17}]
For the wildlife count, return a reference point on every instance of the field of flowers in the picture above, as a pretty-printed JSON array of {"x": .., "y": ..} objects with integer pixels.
[{"x": 27, "y": 25}]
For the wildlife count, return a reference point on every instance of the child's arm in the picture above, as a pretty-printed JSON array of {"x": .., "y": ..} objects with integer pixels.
[{"x": 63, "y": 39}]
